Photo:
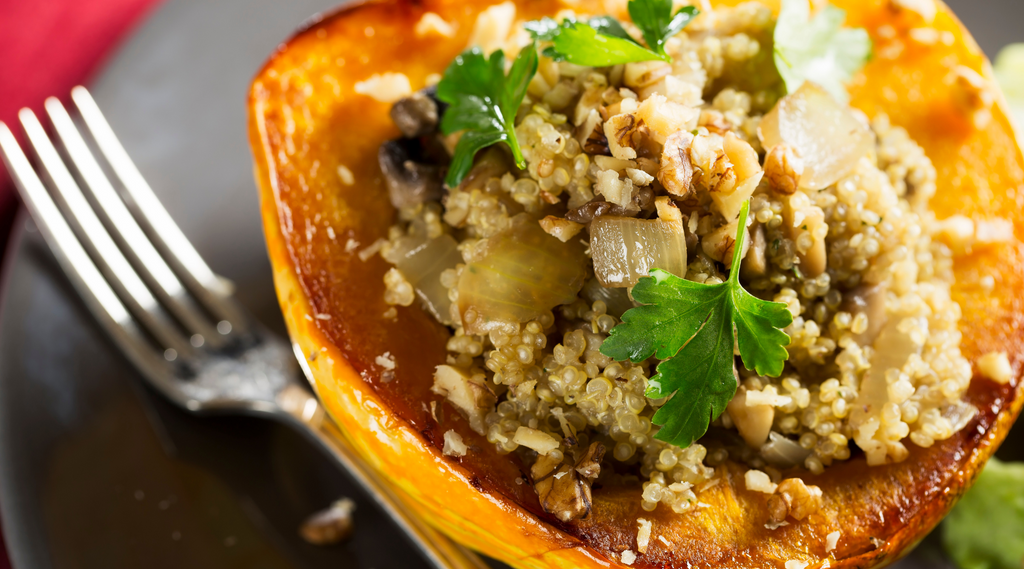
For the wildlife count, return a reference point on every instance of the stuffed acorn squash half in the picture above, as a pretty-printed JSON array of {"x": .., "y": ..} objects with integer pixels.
[{"x": 621, "y": 283}]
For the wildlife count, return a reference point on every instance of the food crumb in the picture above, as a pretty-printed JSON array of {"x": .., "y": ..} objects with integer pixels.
[
  {"x": 322, "y": 316},
  {"x": 391, "y": 314},
  {"x": 331, "y": 525},
  {"x": 758, "y": 481},
  {"x": 453, "y": 444},
  {"x": 996, "y": 366},
  {"x": 793, "y": 564},
  {"x": 351, "y": 245},
  {"x": 643, "y": 535},
  {"x": 831, "y": 540},
  {"x": 385, "y": 87},
  {"x": 346, "y": 175},
  {"x": 431, "y": 23},
  {"x": 628, "y": 557},
  {"x": 371, "y": 250},
  {"x": 519, "y": 481},
  {"x": 386, "y": 361},
  {"x": 662, "y": 539}
]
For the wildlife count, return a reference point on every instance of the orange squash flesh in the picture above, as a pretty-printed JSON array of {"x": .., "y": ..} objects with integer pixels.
[{"x": 306, "y": 121}]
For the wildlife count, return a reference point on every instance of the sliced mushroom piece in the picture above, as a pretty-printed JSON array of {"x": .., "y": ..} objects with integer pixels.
[
  {"x": 409, "y": 180},
  {"x": 415, "y": 115},
  {"x": 755, "y": 263},
  {"x": 868, "y": 300},
  {"x": 754, "y": 422},
  {"x": 805, "y": 225},
  {"x": 564, "y": 488}
]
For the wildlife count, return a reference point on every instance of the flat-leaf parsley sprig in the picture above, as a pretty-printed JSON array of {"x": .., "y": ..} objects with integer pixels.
[
  {"x": 693, "y": 328},
  {"x": 483, "y": 102},
  {"x": 602, "y": 41}
]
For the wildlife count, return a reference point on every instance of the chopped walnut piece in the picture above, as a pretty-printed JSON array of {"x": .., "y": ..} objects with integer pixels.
[
  {"x": 668, "y": 212},
  {"x": 676, "y": 171},
  {"x": 782, "y": 168},
  {"x": 560, "y": 227},
  {"x": 589, "y": 465},
  {"x": 470, "y": 395},
  {"x": 794, "y": 498},
  {"x": 592, "y": 137},
  {"x": 619, "y": 131}
]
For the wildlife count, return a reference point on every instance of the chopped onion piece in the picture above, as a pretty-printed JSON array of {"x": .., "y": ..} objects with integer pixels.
[
  {"x": 616, "y": 300},
  {"x": 959, "y": 414},
  {"x": 422, "y": 262},
  {"x": 625, "y": 249},
  {"x": 783, "y": 452},
  {"x": 825, "y": 134},
  {"x": 524, "y": 274},
  {"x": 892, "y": 348}
]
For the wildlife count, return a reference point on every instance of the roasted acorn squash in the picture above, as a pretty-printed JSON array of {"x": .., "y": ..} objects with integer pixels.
[{"x": 305, "y": 121}]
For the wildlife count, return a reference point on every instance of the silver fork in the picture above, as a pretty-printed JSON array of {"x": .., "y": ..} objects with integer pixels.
[{"x": 166, "y": 309}]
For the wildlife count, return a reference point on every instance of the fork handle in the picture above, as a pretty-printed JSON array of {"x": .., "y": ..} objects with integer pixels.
[{"x": 440, "y": 551}]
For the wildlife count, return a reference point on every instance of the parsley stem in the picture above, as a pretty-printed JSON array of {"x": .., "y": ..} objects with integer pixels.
[{"x": 737, "y": 252}]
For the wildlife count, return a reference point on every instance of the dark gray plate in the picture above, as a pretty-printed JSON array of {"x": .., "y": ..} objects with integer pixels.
[{"x": 98, "y": 472}]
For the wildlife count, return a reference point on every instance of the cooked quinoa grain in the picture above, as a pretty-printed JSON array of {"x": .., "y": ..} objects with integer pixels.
[{"x": 531, "y": 269}]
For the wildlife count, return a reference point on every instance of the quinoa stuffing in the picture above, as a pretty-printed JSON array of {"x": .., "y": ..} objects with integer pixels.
[{"x": 600, "y": 174}]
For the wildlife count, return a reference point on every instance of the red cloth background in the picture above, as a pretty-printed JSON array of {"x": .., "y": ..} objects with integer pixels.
[{"x": 46, "y": 48}]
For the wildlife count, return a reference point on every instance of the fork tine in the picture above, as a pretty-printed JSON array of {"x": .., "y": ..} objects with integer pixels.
[
  {"x": 211, "y": 290},
  {"x": 94, "y": 289},
  {"x": 120, "y": 273},
  {"x": 128, "y": 232}
]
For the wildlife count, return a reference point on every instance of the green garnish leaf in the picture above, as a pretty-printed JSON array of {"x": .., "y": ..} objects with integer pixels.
[
  {"x": 986, "y": 528},
  {"x": 483, "y": 102},
  {"x": 544, "y": 29},
  {"x": 818, "y": 49},
  {"x": 609, "y": 26},
  {"x": 602, "y": 41},
  {"x": 582, "y": 44},
  {"x": 657, "y": 23},
  {"x": 693, "y": 327}
]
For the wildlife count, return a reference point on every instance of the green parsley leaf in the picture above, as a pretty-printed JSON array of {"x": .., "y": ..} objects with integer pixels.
[
  {"x": 544, "y": 29},
  {"x": 818, "y": 49},
  {"x": 483, "y": 102},
  {"x": 602, "y": 41},
  {"x": 693, "y": 328},
  {"x": 986, "y": 528},
  {"x": 657, "y": 23},
  {"x": 582, "y": 44},
  {"x": 609, "y": 26}
]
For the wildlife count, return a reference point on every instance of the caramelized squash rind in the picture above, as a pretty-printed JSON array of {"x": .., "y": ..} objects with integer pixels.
[{"x": 302, "y": 111}]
